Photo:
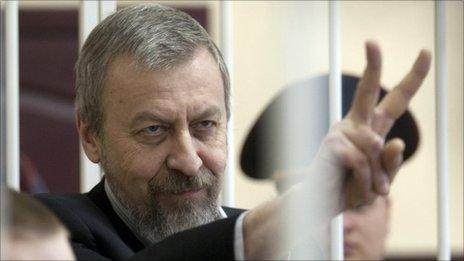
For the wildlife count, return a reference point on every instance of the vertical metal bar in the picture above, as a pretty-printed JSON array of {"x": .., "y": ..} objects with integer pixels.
[
  {"x": 228, "y": 195},
  {"x": 106, "y": 8},
  {"x": 10, "y": 61},
  {"x": 444, "y": 252},
  {"x": 12, "y": 94},
  {"x": 88, "y": 19},
  {"x": 90, "y": 14},
  {"x": 335, "y": 103}
]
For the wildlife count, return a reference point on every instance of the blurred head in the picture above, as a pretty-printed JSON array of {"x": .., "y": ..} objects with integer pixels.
[
  {"x": 366, "y": 229},
  {"x": 33, "y": 232},
  {"x": 152, "y": 110}
]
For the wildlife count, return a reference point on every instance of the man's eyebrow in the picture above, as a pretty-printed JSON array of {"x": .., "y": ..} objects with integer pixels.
[
  {"x": 146, "y": 116},
  {"x": 210, "y": 112},
  {"x": 149, "y": 116}
]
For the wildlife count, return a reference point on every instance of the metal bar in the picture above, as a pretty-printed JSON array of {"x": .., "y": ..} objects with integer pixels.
[
  {"x": 12, "y": 94},
  {"x": 88, "y": 19},
  {"x": 444, "y": 252},
  {"x": 335, "y": 103},
  {"x": 90, "y": 14},
  {"x": 106, "y": 8},
  {"x": 228, "y": 193}
]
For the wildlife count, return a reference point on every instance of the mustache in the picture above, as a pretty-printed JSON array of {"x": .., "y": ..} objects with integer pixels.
[{"x": 174, "y": 182}]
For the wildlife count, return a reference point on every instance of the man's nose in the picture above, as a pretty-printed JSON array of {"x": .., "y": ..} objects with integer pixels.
[
  {"x": 184, "y": 156},
  {"x": 348, "y": 222}
]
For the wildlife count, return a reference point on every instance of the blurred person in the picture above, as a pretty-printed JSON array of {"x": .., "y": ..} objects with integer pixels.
[
  {"x": 152, "y": 107},
  {"x": 32, "y": 231},
  {"x": 365, "y": 230}
]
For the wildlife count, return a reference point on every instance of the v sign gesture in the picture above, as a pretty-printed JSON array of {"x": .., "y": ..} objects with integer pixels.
[
  {"x": 353, "y": 161},
  {"x": 358, "y": 140}
]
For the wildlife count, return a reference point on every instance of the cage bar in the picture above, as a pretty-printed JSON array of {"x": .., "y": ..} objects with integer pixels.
[
  {"x": 226, "y": 16},
  {"x": 443, "y": 240},
  {"x": 335, "y": 111},
  {"x": 12, "y": 94}
]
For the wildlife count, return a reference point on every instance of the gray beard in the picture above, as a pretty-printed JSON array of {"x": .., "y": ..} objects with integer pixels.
[
  {"x": 153, "y": 225},
  {"x": 153, "y": 222}
]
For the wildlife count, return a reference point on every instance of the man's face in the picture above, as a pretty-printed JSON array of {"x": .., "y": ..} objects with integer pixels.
[
  {"x": 365, "y": 231},
  {"x": 164, "y": 139}
]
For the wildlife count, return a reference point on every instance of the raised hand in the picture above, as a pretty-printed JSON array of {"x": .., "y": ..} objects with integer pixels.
[
  {"x": 354, "y": 145},
  {"x": 358, "y": 140}
]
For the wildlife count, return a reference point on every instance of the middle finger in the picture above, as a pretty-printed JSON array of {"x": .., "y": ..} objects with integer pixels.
[{"x": 368, "y": 89}]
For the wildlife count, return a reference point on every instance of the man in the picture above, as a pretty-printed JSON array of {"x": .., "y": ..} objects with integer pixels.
[
  {"x": 32, "y": 232},
  {"x": 366, "y": 230},
  {"x": 152, "y": 109}
]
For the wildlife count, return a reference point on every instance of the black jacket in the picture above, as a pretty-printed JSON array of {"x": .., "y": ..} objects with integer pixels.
[{"x": 98, "y": 233}]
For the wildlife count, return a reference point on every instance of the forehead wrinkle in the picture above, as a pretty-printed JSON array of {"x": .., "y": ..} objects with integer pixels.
[
  {"x": 161, "y": 79},
  {"x": 160, "y": 91}
]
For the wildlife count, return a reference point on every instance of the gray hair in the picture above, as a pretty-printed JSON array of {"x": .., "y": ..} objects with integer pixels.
[{"x": 156, "y": 36}]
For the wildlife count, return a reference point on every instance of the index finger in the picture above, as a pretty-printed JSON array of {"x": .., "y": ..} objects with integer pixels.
[{"x": 395, "y": 103}]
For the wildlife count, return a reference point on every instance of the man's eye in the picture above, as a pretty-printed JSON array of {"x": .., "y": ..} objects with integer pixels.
[
  {"x": 153, "y": 130},
  {"x": 205, "y": 124}
]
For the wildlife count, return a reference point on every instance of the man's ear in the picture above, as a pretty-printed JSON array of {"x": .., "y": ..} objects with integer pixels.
[{"x": 88, "y": 139}]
